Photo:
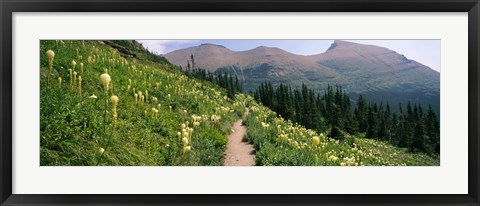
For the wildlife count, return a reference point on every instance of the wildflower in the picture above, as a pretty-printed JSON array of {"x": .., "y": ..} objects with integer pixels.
[
  {"x": 81, "y": 67},
  {"x": 154, "y": 112},
  {"x": 105, "y": 78},
  {"x": 332, "y": 158},
  {"x": 74, "y": 64},
  {"x": 283, "y": 136},
  {"x": 184, "y": 141},
  {"x": 80, "y": 85},
  {"x": 71, "y": 78},
  {"x": 186, "y": 149},
  {"x": 265, "y": 125},
  {"x": 315, "y": 141},
  {"x": 74, "y": 78},
  {"x": 50, "y": 55},
  {"x": 215, "y": 118},
  {"x": 136, "y": 98},
  {"x": 93, "y": 96},
  {"x": 114, "y": 100},
  {"x": 59, "y": 81},
  {"x": 146, "y": 95},
  {"x": 101, "y": 151}
]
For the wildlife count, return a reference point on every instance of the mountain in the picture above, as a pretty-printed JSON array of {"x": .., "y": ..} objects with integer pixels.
[{"x": 378, "y": 73}]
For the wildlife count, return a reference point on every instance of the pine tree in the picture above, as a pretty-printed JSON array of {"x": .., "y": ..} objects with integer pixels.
[
  {"x": 433, "y": 132},
  {"x": 361, "y": 115}
]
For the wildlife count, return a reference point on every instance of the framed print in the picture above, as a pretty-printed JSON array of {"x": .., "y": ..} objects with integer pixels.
[{"x": 207, "y": 102}]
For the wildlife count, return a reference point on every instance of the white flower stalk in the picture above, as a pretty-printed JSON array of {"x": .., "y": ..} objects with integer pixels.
[
  {"x": 74, "y": 64},
  {"x": 50, "y": 55},
  {"x": 215, "y": 118},
  {"x": 196, "y": 124},
  {"x": 190, "y": 133},
  {"x": 105, "y": 78},
  {"x": 59, "y": 81},
  {"x": 154, "y": 112},
  {"x": 71, "y": 78},
  {"x": 74, "y": 78},
  {"x": 136, "y": 98},
  {"x": 315, "y": 141},
  {"x": 114, "y": 100},
  {"x": 185, "y": 141},
  {"x": 80, "y": 85},
  {"x": 186, "y": 149},
  {"x": 101, "y": 151},
  {"x": 81, "y": 67},
  {"x": 265, "y": 125}
]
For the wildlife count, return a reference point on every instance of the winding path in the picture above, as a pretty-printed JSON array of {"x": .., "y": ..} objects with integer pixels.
[{"x": 239, "y": 153}]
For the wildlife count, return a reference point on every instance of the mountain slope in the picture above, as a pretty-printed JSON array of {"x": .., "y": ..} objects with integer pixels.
[
  {"x": 377, "y": 73},
  {"x": 77, "y": 128}
]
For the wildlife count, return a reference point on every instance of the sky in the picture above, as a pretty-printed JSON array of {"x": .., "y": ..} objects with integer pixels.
[{"x": 426, "y": 52}]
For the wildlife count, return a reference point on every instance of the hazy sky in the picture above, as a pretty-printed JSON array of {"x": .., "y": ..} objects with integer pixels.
[{"x": 426, "y": 52}]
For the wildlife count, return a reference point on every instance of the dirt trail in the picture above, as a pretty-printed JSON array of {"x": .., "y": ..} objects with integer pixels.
[{"x": 239, "y": 153}]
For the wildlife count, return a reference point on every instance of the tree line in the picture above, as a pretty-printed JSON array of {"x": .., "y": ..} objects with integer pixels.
[
  {"x": 412, "y": 127},
  {"x": 226, "y": 81}
]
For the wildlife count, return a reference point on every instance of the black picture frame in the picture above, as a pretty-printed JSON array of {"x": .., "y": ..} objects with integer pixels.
[{"x": 7, "y": 7}]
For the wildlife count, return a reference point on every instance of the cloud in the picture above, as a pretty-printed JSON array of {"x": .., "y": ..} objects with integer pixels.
[{"x": 165, "y": 46}]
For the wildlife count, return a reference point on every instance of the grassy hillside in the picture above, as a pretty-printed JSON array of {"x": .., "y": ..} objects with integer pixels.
[
  {"x": 78, "y": 125},
  {"x": 72, "y": 125},
  {"x": 280, "y": 142}
]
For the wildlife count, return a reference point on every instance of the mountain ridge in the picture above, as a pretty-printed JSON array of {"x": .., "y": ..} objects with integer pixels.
[{"x": 375, "y": 72}]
